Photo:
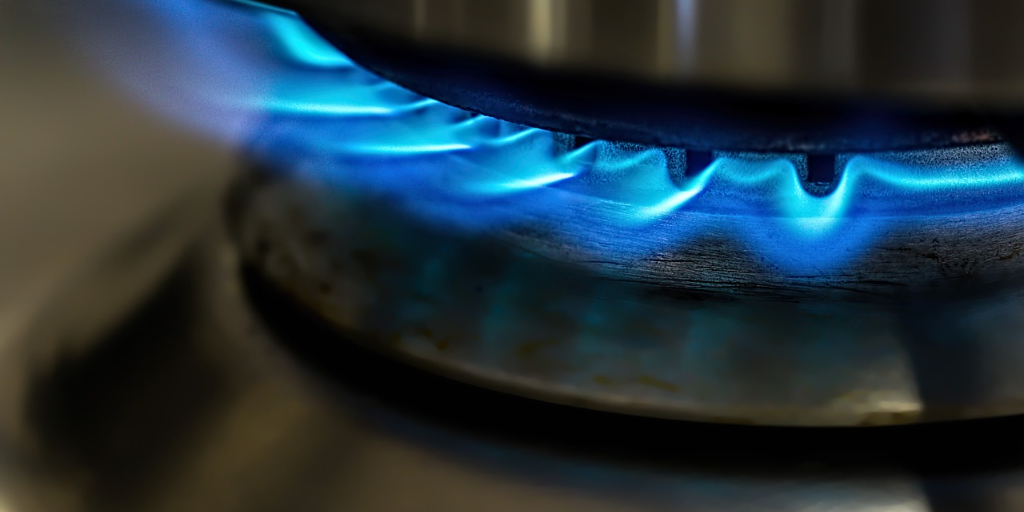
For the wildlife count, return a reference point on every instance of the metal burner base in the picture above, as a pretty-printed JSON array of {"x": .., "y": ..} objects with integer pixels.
[
  {"x": 217, "y": 394},
  {"x": 490, "y": 312}
]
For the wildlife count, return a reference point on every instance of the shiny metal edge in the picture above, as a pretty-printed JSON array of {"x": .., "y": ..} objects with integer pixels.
[{"x": 949, "y": 53}]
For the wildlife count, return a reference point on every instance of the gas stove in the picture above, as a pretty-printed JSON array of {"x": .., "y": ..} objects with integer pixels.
[
  {"x": 753, "y": 285},
  {"x": 221, "y": 392},
  {"x": 540, "y": 294}
]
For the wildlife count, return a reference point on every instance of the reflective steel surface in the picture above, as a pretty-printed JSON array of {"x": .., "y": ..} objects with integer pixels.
[
  {"x": 215, "y": 394},
  {"x": 963, "y": 52},
  {"x": 219, "y": 395}
]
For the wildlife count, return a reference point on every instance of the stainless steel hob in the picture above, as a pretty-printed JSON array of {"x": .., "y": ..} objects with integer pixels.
[
  {"x": 219, "y": 393},
  {"x": 194, "y": 365}
]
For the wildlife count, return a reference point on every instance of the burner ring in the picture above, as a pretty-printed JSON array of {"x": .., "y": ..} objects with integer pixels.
[{"x": 510, "y": 311}]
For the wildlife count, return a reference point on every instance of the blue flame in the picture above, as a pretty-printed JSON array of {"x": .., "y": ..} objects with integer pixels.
[{"x": 259, "y": 75}]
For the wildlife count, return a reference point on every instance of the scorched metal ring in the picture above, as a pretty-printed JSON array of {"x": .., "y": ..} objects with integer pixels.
[{"x": 513, "y": 310}]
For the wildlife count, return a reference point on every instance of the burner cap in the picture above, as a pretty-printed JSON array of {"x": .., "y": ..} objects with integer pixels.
[{"x": 811, "y": 77}]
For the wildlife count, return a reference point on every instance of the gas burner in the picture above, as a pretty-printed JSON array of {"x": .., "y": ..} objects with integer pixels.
[
  {"x": 731, "y": 287},
  {"x": 389, "y": 260},
  {"x": 761, "y": 287},
  {"x": 735, "y": 287},
  {"x": 911, "y": 331}
]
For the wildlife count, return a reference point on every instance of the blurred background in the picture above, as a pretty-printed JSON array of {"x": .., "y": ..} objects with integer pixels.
[{"x": 81, "y": 162}]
